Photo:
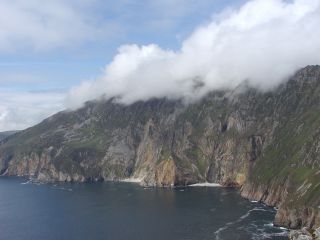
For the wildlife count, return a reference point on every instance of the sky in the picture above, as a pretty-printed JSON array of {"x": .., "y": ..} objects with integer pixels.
[{"x": 57, "y": 55}]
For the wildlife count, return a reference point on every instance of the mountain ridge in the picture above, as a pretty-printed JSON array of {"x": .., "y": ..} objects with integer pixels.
[{"x": 265, "y": 143}]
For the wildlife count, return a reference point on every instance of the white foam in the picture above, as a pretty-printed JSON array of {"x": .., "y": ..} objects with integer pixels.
[
  {"x": 205, "y": 184},
  {"x": 131, "y": 180},
  {"x": 283, "y": 228},
  {"x": 27, "y": 182},
  {"x": 269, "y": 225},
  {"x": 253, "y": 201},
  {"x": 240, "y": 219},
  {"x": 217, "y": 233}
]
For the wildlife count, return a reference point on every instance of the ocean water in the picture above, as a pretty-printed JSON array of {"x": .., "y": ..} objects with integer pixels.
[{"x": 126, "y": 211}]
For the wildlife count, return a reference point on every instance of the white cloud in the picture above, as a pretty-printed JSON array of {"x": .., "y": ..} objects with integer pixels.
[
  {"x": 19, "y": 110},
  {"x": 45, "y": 25},
  {"x": 263, "y": 42}
]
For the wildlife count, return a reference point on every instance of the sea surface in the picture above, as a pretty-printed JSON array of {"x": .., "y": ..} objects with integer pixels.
[{"x": 126, "y": 211}]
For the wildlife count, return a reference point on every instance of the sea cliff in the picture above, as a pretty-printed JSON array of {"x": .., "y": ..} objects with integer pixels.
[{"x": 265, "y": 143}]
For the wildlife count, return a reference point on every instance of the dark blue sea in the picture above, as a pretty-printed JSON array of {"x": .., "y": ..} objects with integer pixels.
[{"x": 127, "y": 211}]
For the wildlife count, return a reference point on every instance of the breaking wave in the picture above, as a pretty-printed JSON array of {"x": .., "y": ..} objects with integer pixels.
[{"x": 256, "y": 232}]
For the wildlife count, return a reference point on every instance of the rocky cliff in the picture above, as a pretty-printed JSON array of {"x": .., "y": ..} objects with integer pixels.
[{"x": 266, "y": 143}]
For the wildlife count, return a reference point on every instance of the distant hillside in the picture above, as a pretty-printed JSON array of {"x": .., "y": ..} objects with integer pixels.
[{"x": 3, "y": 135}]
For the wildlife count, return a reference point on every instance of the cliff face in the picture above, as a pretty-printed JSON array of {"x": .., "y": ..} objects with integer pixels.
[{"x": 266, "y": 143}]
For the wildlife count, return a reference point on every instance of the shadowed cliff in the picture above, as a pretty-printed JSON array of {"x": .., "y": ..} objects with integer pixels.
[{"x": 266, "y": 143}]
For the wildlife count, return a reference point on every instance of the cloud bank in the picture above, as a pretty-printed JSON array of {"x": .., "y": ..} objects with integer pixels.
[
  {"x": 21, "y": 109},
  {"x": 262, "y": 43},
  {"x": 43, "y": 44},
  {"x": 45, "y": 25}
]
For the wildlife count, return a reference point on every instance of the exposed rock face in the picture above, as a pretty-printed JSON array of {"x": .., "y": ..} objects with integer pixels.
[
  {"x": 316, "y": 234},
  {"x": 304, "y": 234},
  {"x": 295, "y": 218},
  {"x": 267, "y": 143},
  {"x": 164, "y": 174}
]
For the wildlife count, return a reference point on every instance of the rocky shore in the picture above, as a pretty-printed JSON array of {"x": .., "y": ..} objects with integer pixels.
[{"x": 305, "y": 234}]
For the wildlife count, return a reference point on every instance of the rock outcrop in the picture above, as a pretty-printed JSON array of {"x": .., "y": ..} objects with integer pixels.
[
  {"x": 305, "y": 234},
  {"x": 266, "y": 143}
]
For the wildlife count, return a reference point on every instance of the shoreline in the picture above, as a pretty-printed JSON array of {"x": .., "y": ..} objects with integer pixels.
[
  {"x": 205, "y": 184},
  {"x": 139, "y": 181}
]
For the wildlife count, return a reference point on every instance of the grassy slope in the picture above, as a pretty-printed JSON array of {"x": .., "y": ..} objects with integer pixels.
[{"x": 294, "y": 155}]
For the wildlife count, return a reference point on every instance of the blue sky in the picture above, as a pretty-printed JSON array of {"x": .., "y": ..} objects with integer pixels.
[
  {"x": 56, "y": 54},
  {"x": 164, "y": 22},
  {"x": 88, "y": 33}
]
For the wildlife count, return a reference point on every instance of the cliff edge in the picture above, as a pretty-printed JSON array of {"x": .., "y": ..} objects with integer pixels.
[{"x": 267, "y": 143}]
